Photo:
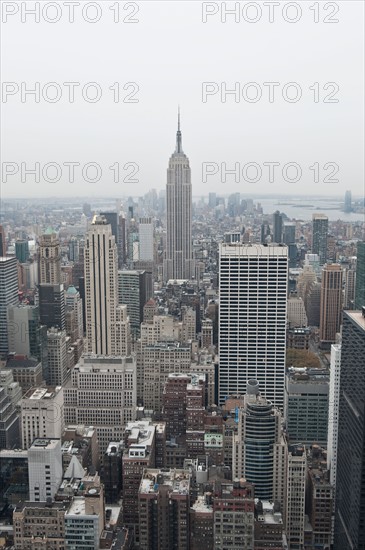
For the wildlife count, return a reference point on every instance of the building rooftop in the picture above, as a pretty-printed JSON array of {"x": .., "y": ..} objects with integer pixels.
[
  {"x": 268, "y": 515},
  {"x": 44, "y": 443},
  {"x": 29, "y": 504},
  {"x": 42, "y": 393},
  {"x": 178, "y": 481},
  {"x": 358, "y": 317},
  {"x": 77, "y": 507},
  {"x": 201, "y": 506}
]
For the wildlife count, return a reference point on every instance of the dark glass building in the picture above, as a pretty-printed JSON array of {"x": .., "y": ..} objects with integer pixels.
[
  {"x": 360, "y": 276},
  {"x": 350, "y": 485}
]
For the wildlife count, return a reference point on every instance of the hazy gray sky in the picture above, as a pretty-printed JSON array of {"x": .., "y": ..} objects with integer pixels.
[{"x": 169, "y": 53}]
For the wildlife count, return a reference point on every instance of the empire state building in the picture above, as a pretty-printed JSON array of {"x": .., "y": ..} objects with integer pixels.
[{"x": 178, "y": 263}]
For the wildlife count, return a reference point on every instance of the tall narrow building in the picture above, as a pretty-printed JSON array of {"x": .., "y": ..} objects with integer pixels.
[
  {"x": 360, "y": 276},
  {"x": 253, "y": 282},
  {"x": 49, "y": 258},
  {"x": 101, "y": 287},
  {"x": 178, "y": 263},
  {"x": 8, "y": 297},
  {"x": 350, "y": 470},
  {"x": 331, "y": 304},
  {"x": 319, "y": 236}
]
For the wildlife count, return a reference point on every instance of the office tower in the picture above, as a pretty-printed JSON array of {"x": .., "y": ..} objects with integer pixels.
[
  {"x": 331, "y": 248},
  {"x": 149, "y": 311},
  {"x": 289, "y": 233},
  {"x": 297, "y": 316},
  {"x": 139, "y": 454},
  {"x": 164, "y": 504},
  {"x": 44, "y": 468},
  {"x": 21, "y": 250},
  {"x": 2, "y": 242},
  {"x": 183, "y": 405},
  {"x": 269, "y": 526},
  {"x": 146, "y": 241},
  {"x": 122, "y": 331},
  {"x": 207, "y": 334},
  {"x": 102, "y": 393},
  {"x": 259, "y": 449},
  {"x": 26, "y": 336},
  {"x": 51, "y": 301},
  {"x": 73, "y": 303},
  {"x": 306, "y": 405},
  {"x": 112, "y": 219},
  {"x": 9, "y": 422},
  {"x": 350, "y": 483},
  {"x": 212, "y": 200},
  {"x": 188, "y": 332},
  {"x": 319, "y": 498},
  {"x": 74, "y": 249},
  {"x": 349, "y": 296},
  {"x": 30, "y": 519},
  {"x": 122, "y": 240},
  {"x": 331, "y": 303},
  {"x": 277, "y": 227},
  {"x": 306, "y": 280},
  {"x": 132, "y": 241},
  {"x": 202, "y": 524},
  {"x": 12, "y": 388},
  {"x": 333, "y": 411},
  {"x": 234, "y": 514},
  {"x": 112, "y": 472},
  {"x": 49, "y": 259},
  {"x": 8, "y": 297},
  {"x": 134, "y": 290},
  {"x": 348, "y": 202},
  {"x": 27, "y": 372},
  {"x": 84, "y": 520},
  {"x": 14, "y": 484},
  {"x": 160, "y": 360},
  {"x": 319, "y": 236},
  {"x": 178, "y": 263},
  {"x": 360, "y": 276},
  {"x": 101, "y": 290},
  {"x": 57, "y": 357},
  {"x": 298, "y": 338},
  {"x": 314, "y": 305},
  {"x": 253, "y": 282},
  {"x": 41, "y": 414},
  {"x": 265, "y": 233},
  {"x": 295, "y": 496}
]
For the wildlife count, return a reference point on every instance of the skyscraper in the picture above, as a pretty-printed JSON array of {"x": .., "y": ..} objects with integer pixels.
[
  {"x": 253, "y": 283},
  {"x": 145, "y": 230},
  {"x": 348, "y": 202},
  {"x": 22, "y": 250},
  {"x": 2, "y": 242},
  {"x": 278, "y": 227},
  {"x": 8, "y": 296},
  {"x": 360, "y": 276},
  {"x": 319, "y": 236},
  {"x": 259, "y": 448},
  {"x": 350, "y": 477},
  {"x": 331, "y": 303},
  {"x": 49, "y": 258},
  {"x": 101, "y": 287},
  {"x": 178, "y": 263}
]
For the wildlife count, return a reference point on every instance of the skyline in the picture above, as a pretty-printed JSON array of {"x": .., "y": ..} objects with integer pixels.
[{"x": 194, "y": 74}]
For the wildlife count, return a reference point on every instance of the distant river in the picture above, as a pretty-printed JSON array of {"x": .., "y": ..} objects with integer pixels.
[{"x": 302, "y": 209}]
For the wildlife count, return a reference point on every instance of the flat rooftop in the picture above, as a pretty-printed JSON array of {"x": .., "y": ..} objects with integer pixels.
[
  {"x": 357, "y": 317},
  {"x": 42, "y": 393},
  {"x": 178, "y": 481}
]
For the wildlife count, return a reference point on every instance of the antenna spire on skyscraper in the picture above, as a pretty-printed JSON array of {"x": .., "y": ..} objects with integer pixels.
[{"x": 178, "y": 133}]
